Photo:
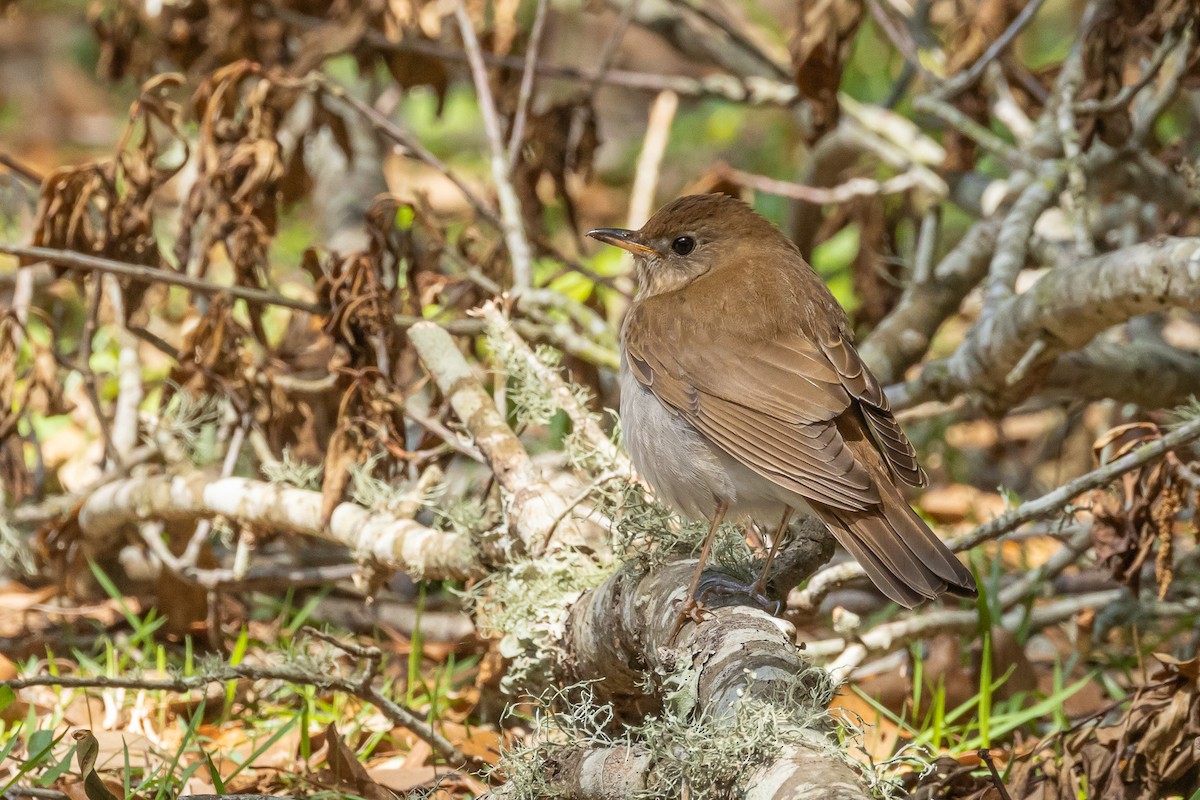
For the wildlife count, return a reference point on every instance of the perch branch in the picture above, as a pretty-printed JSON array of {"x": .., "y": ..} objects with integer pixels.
[{"x": 622, "y": 630}]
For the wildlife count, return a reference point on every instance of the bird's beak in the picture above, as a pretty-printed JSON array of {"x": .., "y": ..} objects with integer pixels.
[{"x": 624, "y": 239}]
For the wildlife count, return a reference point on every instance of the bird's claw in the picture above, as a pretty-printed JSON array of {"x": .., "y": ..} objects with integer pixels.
[
  {"x": 758, "y": 593},
  {"x": 693, "y": 610}
]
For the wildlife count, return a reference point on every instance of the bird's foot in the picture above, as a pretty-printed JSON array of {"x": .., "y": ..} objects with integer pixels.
[
  {"x": 692, "y": 610},
  {"x": 758, "y": 593},
  {"x": 729, "y": 588}
]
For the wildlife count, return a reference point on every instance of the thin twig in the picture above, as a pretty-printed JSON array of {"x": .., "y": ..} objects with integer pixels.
[
  {"x": 525, "y": 96},
  {"x": 1122, "y": 98},
  {"x": 89, "y": 376},
  {"x": 612, "y": 44},
  {"x": 393, "y": 131},
  {"x": 393, "y": 711},
  {"x": 753, "y": 90},
  {"x": 89, "y": 263},
  {"x": 965, "y": 79},
  {"x": 821, "y": 195},
  {"x": 739, "y": 39},
  {"x": 35, "y": 791},
  {"x": 986, "y": 755},
  {"x": 1149, "y": 105},
  {"x": 977, "y": 133},
  {"x": 901, "y": 38},
  {"x": 20, "y": 170},
  {"x": 512, "y": 220}
]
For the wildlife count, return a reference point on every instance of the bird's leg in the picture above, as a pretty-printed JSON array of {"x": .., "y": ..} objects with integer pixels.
[
  {"x": 692, "y": 608},
  {"x": 760, "y": 586}
]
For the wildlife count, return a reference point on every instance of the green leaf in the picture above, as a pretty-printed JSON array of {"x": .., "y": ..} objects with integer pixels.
[
  {"x": 214, "y": 774},
  {"x": 87, "y": 749}
]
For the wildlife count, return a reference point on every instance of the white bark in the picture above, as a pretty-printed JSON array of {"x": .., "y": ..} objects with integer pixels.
[{"x": 389, "y": 541}]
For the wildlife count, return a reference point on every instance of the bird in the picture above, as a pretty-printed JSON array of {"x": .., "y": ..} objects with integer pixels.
[{"x": 744, "y": 398}]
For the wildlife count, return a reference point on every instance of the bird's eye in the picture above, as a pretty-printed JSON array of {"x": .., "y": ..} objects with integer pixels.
[{"x": 683, "y": 245}]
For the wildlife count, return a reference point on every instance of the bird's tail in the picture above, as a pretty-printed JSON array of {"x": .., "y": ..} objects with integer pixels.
[{"x": 901, "y": 555}]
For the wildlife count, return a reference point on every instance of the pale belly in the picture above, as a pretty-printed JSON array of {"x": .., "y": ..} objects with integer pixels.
[{"x": 688, "y": 472}]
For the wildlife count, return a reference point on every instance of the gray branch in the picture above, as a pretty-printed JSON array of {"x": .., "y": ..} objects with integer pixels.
[{"x": 1006, "y": 355}]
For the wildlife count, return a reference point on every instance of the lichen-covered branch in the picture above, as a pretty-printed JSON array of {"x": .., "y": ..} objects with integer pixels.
[
  {"x": 737, "y": 660},
  {"x": 583, "y": 420},
  {"x": 392, "y": 542},
  {"x": 533, "y": 507}
]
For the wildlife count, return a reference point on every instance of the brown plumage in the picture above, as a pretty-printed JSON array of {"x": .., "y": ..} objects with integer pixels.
[{"x": 742, "y": 391}]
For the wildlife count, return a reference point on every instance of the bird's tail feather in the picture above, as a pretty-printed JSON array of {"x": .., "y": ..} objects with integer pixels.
[{"x": 901, "y": 555}]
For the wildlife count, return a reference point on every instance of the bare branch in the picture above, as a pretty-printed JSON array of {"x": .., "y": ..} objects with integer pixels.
[
  {"x": 844, "y": 192},
  {"x": 1063, "y": 311},
  {"x": 967, "y": 78},
  {"x": 512, "y": 222},
  {"x": 752, "y": 90},
  {"x": 903, "y": 336},
  {"x": 525, "y": 95},
  {"x": 89, "y": 263},
  {"x": 385, "y": 539},
  {"x": 396, "y": 713}
]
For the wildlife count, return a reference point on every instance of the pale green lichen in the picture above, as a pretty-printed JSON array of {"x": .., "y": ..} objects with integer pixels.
[
  {"x": 563, "y": 720},
  {"x": 16, "y": 556},
  {"x": 652, "y": 534},
  {"x": 526, "y": 604},
  {"x": 192, "y": 422},
  {"x": 711, "y": 756},
  {"x": 532, "y": 400},
  {"x": 461, "y": 514},
  {"x": 290, "y": 471}
]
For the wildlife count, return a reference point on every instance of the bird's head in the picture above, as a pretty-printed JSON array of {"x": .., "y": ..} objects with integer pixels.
[{"x": 691, "y": 237}]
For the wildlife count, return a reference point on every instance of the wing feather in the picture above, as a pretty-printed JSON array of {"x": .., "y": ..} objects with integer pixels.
[{"x": 897, "y": 450}]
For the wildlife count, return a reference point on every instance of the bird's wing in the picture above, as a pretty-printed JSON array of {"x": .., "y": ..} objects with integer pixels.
[
  {"x": 772, "y": 402},
  {"x": 894, "y": 446}
]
